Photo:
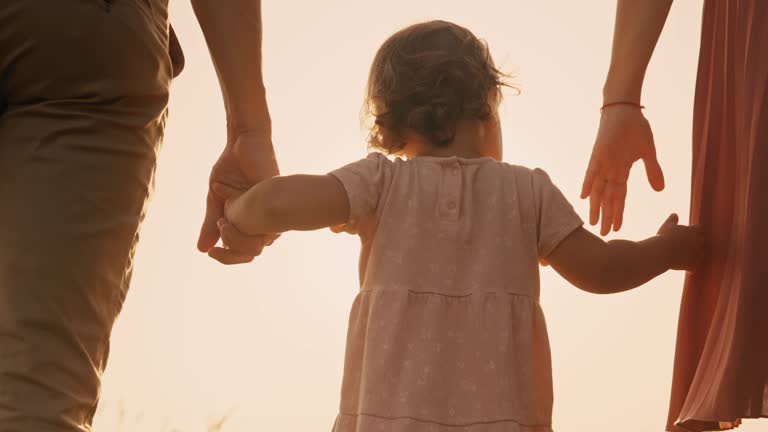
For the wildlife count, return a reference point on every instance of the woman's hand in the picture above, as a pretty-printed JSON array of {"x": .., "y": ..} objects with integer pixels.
[
  {"x": 624, "y": 137},
  {"x": 685, "y": 243},
  {"x": 246, "y": 160}
]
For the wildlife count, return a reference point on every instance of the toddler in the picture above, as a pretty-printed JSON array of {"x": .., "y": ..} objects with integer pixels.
[{"x": 447, "y": 334}]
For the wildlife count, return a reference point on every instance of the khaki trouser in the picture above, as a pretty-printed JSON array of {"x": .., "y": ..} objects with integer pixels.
[{"x": 85, "y": 88}]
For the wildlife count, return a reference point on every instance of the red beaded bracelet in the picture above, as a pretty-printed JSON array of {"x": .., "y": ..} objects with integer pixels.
[{"x": 634, "y": 104}]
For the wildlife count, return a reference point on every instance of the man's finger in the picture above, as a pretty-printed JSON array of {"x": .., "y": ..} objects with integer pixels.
[
  {"x": 270, "y": 238},
  {"x": 241, "y": 243},
  {"x": 226, "y": 192},
  {"x": 209, "y": 232},
  {"x": 345, "y": 228},
  {"x": 595, "y": 197},
  {"x": 654, "y": 172},
  {"x": 229, "y": 257}
]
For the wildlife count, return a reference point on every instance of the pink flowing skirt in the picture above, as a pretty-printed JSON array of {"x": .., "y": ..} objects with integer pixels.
[{"x": 721, "y": 362}]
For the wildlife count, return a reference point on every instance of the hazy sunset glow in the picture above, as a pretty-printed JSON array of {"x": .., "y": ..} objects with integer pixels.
[{"x": 263, "y": 344}]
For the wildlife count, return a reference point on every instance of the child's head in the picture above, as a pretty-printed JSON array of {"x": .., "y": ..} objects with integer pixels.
[{"x": 428, "y": 79}]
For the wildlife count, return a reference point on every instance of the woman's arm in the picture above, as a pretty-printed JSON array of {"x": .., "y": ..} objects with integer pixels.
[
  {"x": 638, "y": 26},
  {"x": 296, "y": 202},
  {"x": 600, "y": 267},
  {"x": 624, "y": 135}
]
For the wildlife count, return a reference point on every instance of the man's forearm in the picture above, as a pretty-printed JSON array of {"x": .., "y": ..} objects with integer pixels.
[
  {"x": 232, "y": 30},
  {"x": 638, "y": 26}
]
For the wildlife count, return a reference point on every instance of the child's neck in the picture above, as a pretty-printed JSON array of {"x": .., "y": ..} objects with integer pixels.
[
  {"x": 449, "y": 151},
  {"x": 467, "y": 143}
]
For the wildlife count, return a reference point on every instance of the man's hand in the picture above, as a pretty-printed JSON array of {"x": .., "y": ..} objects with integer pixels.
[
  {"x": 624, "y": 137},
  {"x": 247, "y": 159}
]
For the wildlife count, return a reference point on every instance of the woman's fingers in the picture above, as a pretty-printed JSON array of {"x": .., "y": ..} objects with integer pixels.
[
  {"x": 607, "y": 208},
  {"x": 606, "y": 199},
  {"x": 589, "y": 179},
  {"x": 619, "y": 198},
  {"x": 595, "y": 198}
]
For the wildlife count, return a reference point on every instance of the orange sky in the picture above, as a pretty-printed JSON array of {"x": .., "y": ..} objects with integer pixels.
[{"x": 265, "y": 342}]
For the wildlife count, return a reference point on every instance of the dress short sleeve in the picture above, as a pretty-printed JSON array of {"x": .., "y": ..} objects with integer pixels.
[
  {"x": 364, "y": 181},
  {"x": 555, "y": 216}
]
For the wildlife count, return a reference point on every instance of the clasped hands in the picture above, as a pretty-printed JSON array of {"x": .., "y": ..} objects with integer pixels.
[{"x": 247, "y": 159}]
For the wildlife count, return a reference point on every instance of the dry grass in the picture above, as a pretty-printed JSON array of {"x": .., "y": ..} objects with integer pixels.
[{"x": 126, "y": 422}]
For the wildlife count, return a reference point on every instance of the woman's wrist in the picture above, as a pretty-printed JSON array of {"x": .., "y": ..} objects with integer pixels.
[
  {"x": 621, "y": 103},
  {"x": 623, "y": 87},
  {"x": 611, "y": 95}
]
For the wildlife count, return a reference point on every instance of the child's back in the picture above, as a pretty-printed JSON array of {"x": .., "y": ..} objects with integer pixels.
[
  {"x": 447, "y": 328},
  {"x": 447, "y": 334}
]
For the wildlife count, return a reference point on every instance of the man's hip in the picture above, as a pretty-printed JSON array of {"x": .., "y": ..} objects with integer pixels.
[{"x": 85, "y": 87}]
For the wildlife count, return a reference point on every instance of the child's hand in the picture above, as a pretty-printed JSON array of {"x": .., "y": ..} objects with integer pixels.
[
  {"x": 235, "y": 205},
  {"x": 242, "y": 247},
  {"x": 685, "y": 243},
  {"x": 229, "y": 207}
]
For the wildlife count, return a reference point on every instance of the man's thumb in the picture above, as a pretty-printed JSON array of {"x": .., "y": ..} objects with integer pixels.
[{"x": 225, "y": 192}]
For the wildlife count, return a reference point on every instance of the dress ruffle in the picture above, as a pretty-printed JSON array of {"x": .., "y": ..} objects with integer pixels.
[
  {"x": 363, "y": 423},
  {"x": 426, "y": 361}
]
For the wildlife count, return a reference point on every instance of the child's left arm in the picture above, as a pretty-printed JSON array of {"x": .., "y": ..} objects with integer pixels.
[
  {"x": 600, "y": 267},
  {"x": 295, "y": 202}
]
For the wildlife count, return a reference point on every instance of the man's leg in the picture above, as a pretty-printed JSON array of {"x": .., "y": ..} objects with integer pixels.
[{"x": 86, "y": 87}]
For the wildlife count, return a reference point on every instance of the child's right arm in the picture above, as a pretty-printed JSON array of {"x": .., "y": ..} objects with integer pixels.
[
  {"x": 602, "y": 267},
  {"x": 295, "y": 202}
]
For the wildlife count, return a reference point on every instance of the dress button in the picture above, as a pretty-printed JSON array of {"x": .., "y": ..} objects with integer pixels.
[
  {"x": 455, "y": 170},
  {"x": 451, "y": 205}
]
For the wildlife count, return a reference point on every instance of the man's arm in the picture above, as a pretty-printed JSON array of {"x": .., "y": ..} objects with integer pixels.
[
  {"x": 232, "y": 30},
  {"x": 600, "y": 267}
]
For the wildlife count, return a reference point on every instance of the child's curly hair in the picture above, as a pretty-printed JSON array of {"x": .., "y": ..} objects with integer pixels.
[{"x": 426, "y": 78}]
